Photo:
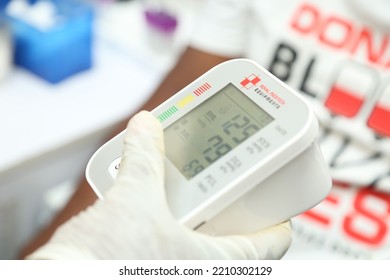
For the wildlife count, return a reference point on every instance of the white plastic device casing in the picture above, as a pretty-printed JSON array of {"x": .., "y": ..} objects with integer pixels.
[{"x": 275, "y": 185}]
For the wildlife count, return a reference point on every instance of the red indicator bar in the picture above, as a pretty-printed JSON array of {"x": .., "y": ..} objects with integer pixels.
[{"x": 202, "y": 89}]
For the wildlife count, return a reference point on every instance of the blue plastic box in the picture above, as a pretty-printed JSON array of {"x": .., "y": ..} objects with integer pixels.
[
  {"x": 3, "y": 3},
  {"x": 61, "y": 51}
]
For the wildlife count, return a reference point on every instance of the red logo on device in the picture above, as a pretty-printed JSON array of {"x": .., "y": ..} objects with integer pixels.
[{"x": 250, "y": 81}]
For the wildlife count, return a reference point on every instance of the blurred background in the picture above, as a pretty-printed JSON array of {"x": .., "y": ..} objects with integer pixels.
[{"x": 70, "y": 70}]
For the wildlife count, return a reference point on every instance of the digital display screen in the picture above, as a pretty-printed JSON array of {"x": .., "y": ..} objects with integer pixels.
[{"x": 212, "y": 129}]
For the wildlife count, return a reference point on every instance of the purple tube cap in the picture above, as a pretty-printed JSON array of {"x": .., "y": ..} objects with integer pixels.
[{"x": 161, "y": 20}]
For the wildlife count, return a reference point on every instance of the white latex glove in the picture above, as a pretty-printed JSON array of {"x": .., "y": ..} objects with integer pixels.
[{"x": 134, "y": 221}]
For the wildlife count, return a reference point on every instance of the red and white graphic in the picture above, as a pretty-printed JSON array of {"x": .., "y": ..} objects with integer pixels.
[
  {"x": 250, "y": 81},
  {"x": 202, "y": 89},
  {"x": 359, "y": 215},
  {"x": 379, "y": 119},
  {"x": 350, "y": 89},
  {"x": 352, "y": 223}
]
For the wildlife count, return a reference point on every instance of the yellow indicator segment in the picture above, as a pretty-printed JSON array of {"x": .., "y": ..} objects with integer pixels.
[{"x": 185, "y": 101}]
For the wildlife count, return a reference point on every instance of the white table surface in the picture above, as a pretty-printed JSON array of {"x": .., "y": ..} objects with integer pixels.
[{"x": 36, "y": 116}]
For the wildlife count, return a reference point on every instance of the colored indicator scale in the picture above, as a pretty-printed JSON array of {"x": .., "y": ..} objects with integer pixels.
[
  {"x": 184, "y": 102},
  {"x": 349, "y": 91},
  {"x": 172, "y": 110},
  {"x": 379, "y": 119}
]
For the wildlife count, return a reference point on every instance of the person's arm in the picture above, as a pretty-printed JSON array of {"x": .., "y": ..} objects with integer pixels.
[{"x": 191, "y": 65}]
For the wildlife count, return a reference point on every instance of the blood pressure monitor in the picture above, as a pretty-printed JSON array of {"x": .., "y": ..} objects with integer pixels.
[{"x": 241, "y": 152}]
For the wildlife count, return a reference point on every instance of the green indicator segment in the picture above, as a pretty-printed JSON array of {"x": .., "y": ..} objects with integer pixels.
[{"x": 168, "y": 113}]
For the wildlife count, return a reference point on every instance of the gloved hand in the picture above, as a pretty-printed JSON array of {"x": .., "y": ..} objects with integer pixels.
[{"x": 134, "y": 220}]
